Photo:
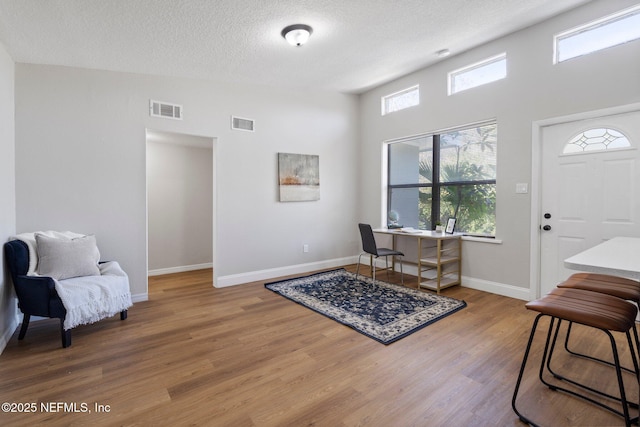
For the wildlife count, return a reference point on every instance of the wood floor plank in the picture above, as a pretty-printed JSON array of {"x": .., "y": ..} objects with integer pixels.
[{"x": 245, "y": 356}]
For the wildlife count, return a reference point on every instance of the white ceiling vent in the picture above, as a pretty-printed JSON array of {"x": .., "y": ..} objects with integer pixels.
[
  {"x": 165, "y": 109},
  {"x": 239, "y": 123}
]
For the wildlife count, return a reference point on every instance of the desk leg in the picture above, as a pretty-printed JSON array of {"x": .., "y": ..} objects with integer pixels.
[
  {"x": 439, "y": 266},
  {"x": 393, "y": 258},
  {"x": 419, "y": 261}
]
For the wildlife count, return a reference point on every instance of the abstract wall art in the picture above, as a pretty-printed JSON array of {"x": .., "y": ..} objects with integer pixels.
[{"x": 298, "y": 177}]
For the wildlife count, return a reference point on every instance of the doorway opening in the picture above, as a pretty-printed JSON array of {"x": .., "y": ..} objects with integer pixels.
[{"x": 180, "y": 203}]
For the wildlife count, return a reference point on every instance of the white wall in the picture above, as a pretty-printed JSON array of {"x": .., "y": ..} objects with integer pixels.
[
  {"x": 534, "y": 89},
  {"x": 180, "y": 205},
  {"x": 8, "y": 307},
  {"x": 80, "y": 165}
]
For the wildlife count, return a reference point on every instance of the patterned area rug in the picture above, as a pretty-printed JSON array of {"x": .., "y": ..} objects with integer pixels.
[{"x": 382, "y": 311}]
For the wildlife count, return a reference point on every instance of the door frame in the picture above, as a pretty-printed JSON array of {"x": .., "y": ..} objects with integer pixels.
[
  {"x": 536, "y": 176},
  {"x": 214, "y": 227}
]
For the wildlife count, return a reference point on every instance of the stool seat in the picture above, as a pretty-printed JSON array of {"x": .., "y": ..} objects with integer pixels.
[
  {"x": 612, "y": 285},
  {"x": 589, "y": 308}
]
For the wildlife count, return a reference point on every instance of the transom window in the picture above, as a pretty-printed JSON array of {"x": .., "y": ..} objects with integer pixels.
[
  {"x": 612, "y": 30},
  {"x": 450, "y": 174},
  {"x": 597, "y": 139},
  {"x": 400, "y": 100},
  {"x": 478, "y": 74}
]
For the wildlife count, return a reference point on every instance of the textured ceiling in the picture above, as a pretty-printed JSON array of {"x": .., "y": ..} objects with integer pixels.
[{"x": 356, "y": 44}]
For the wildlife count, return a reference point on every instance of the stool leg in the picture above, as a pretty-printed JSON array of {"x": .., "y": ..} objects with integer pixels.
[
  {"x": 634, "y": 357},
  {"x": 553, "y": 346},
  {"x": 586, "y": 356},
  {"x": 546, "y": 356},
  {"x": 635, "y": 335},
  {"x": 622, "y": 399},
  {"x": 593, "y": 390},
  {"x": 524, "y": 363}
]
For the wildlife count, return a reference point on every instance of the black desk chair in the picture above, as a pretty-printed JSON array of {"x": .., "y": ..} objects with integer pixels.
[{"x": 369, "y": 247}]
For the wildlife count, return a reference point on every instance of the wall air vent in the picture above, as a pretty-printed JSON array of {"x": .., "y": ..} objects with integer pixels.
[
  {"x": 165, "y": 109},
  {"x": 239, "y": 123}
]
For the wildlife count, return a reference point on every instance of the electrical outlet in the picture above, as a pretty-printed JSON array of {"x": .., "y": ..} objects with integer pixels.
[{"x": 305, "y": 248}]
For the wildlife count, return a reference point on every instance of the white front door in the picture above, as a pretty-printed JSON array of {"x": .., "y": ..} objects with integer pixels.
[{"x": 589, "y": 188}]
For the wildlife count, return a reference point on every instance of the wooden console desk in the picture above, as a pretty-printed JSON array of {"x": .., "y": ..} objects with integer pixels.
[{"x": 439, "y": 257}]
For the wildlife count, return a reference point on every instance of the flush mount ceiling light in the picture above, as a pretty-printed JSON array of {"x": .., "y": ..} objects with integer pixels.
[
  {"x": 443, "y": 53},
  {"x": 297, "y": 34}
]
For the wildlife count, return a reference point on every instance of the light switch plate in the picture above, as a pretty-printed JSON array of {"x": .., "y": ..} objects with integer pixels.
[{"x": 522, "y": 188}]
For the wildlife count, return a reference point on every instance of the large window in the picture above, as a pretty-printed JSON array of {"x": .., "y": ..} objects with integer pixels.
[{"x": 451, "y": 174}]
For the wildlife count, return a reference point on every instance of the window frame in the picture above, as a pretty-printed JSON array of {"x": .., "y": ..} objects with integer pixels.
[{"x": 436, "y": 184}]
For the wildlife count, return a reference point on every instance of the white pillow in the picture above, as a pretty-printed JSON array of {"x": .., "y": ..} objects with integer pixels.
[
  {"x": 30, "y": 240},
  {"x": 62, "y": 258}
]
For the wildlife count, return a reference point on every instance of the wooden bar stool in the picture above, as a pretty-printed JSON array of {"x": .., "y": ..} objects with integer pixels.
[
  {"x": 627, "y": 289},
  {"x": 600, "y": 311}
]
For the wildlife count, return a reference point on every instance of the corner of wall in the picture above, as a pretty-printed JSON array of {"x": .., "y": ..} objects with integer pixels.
[
  {"x": 8, "y": 306},
  {"x": 8, "y": 331}
]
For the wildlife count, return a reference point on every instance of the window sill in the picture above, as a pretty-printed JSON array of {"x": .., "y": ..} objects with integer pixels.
[{"x": 482, "y": 240}]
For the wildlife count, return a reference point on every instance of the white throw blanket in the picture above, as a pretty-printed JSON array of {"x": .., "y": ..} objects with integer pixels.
[{"x": 88, "y": 299}]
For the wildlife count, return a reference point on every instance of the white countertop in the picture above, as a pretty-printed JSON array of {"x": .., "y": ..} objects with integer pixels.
[{"x": 619, "y": 256}]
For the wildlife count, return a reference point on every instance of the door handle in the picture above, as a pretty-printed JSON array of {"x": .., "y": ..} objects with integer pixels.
[{"x": 546, "y": 228}]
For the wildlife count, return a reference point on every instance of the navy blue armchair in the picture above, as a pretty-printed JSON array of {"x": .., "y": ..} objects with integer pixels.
[{"x": 37, "y": 295}]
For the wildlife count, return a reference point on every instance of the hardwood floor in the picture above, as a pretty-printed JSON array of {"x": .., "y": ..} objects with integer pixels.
[{"x": 244, "y": 356}]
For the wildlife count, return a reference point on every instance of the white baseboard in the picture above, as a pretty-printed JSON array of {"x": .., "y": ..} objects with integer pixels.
[
  {"x": 179, "y": 269},
  {"x": 140, "y": 297},
  {"x": 254, "y": 276},
  {"x": 497, "y": 288},
  {"x": 8, "y": 332},
  {"x": 468, "y": 282},
  {"x": 471, "y": 282}
]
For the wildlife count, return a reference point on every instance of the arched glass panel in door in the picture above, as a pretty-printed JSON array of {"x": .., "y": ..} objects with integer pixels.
[{"x": 596, "y": 139}]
